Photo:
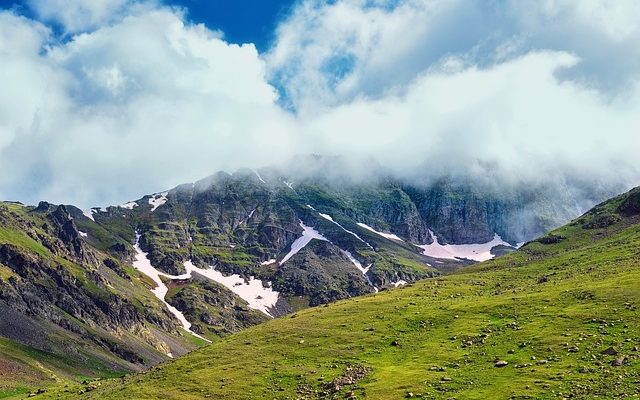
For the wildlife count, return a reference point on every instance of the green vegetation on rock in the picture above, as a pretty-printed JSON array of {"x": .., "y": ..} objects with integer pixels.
[{"x": 556, "y": 319}]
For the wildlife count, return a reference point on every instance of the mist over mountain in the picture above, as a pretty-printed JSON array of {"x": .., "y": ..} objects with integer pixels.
[{"x": 91, "y": 117}]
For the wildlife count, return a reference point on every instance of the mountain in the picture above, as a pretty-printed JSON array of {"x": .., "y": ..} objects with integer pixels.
[
  {"x": 556, "y": 319},
  {"x": 107, "y": 291}
]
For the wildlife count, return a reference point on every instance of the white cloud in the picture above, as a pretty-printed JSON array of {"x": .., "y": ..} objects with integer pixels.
[
  {"x": 81, "y": 15},
  {"x": 143, "y": 100},
  {"x": 148, "y": 102},
  {"x": 515, "y": 117},
  {"x": 333, "y": 52}
]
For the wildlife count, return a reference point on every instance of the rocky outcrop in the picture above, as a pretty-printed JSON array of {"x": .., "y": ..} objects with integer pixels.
[
  {"x": 321, "y": 273},
  {"x": 212, "y": 308},
  {"x": 631, "y": 205}
]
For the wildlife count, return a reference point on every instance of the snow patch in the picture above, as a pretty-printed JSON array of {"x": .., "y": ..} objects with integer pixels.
[
  {"x": 308, "y": 234},
  {"x": 83, "y": 234},
  {"x": 157, "y": 200},
  {"x": 289, "y": 184},
  {"x": 88, "y": 214},
  {"x": 253, "y": 291},
  {"x": 362, "y": 269},
  {"x": 311, "y": 207},
  {"x": 258, "y": 175},
  {"x": 389, "y": 236},
  {"x": 329, "y": 218},
  {"x": 476, "y": 252},
  {"x": 143, "y": 264},
  {"x": 399, "y": 283},
  {"x": 129, "y": 205},
  {"x": 251, "y": 214},
  {"x": 268, "y": 262}
]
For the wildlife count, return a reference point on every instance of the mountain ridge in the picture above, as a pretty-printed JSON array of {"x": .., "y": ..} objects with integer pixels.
[
  {"x": 557, "y": 318},
  {"x": 238, "y": 232}
]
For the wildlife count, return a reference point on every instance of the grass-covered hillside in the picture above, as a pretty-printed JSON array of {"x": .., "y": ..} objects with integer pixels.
[{"x": 557, "y": 319}]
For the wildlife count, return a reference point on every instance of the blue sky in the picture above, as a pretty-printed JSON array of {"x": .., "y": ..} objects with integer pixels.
[
  {"x": 242, "y": 21},
  {"x": 103, "y": 101}
]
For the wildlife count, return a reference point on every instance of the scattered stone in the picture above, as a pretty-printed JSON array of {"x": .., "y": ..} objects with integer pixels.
[
  {"x": 573, "y": 349},
  {"x": 542, "y": 362},
  {"x": 395, "y": 343},
  {"x": 446, "y": 379},
  {"x": 501, "y": 363},
  {"x": 610, "y": 351},
  {"x": 619, "y": 362}
]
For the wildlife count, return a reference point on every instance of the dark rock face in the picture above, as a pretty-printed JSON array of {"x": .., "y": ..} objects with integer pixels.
[
  {"x": 551, "y": 239},
  {"x": 602, "y": 221},
  {"x": 213, "y": 308},
  {"x": 235, "y": 222},
  {"x": 315, "y": 273},
  {"x": 631, "y": 205}
]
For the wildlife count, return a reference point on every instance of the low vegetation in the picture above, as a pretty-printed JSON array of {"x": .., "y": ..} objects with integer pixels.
[{"x": 557, "y": 319}]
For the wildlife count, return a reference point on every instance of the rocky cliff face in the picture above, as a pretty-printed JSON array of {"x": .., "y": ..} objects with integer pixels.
[
  {"x": 63, "y": 296},
  {"x": 236, "y": 223}
]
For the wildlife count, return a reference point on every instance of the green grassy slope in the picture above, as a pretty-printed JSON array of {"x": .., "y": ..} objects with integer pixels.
[
  {"x": 51, "y": 330},
  {"x": 549, "y": 311}
]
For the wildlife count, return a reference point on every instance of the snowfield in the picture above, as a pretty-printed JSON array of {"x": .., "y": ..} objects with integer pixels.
[
  {"x": 362, "y": 269},
  {"x": 89, "y": 214},
  {"x": 143, "y": 264},
  {"x": 157, "y": 200},
  {"x": 389, "y": 236},
  {"x": 476, "y": 252},
  {"x": 253, "y": 291},
  {"x": 308, "y": 234},
  {"x": 258, "y": 175},
  {"x": 350, "y": 256},
  {"x": 329, "y": 218},
  {"x": 129, "y": 205}
]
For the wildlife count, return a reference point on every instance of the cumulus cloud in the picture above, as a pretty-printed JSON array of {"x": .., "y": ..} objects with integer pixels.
[
  {"x": 514, "y": 119},
  {"x": 81, "y": 15},
  {"x": 332, "y": 52},
  {"x": 135, "y": 99},
  {"x": 129, "y": 108}
]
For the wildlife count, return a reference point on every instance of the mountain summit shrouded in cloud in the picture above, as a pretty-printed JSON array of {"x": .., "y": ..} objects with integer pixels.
[{"x": 103, "y": 101}]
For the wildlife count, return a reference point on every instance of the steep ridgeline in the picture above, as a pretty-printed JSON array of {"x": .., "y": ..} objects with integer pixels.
[
  {"x": 556, "y": 319},
  {"x": 314, "y": 239}
]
